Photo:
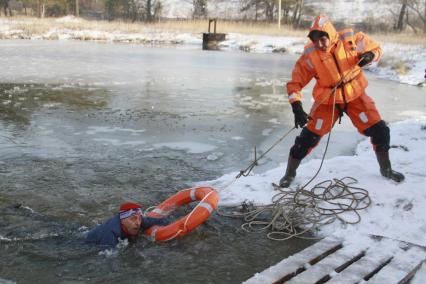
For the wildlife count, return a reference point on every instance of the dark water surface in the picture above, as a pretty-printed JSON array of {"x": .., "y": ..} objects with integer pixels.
[{"x": 87, "y": 126}]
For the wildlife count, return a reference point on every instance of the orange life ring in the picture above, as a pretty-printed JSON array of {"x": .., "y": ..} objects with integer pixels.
[{"x": 208, "y": 198}]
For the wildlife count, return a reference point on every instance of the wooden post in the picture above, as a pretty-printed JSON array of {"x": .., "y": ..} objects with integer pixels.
[
  {"x": 279, "y": 14},
  {"x": 77, "y": 8}
]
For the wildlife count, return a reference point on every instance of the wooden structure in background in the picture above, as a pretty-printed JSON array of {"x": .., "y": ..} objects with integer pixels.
[{"x": 211, "y": 40}]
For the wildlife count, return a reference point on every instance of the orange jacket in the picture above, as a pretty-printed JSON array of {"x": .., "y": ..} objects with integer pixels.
[{"x": 329, "y": 67}]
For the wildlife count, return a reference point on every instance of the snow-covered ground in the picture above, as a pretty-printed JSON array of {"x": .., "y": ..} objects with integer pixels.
[
  {"x": 397, "y": 209},
  {"x": 411, "y": 59}
]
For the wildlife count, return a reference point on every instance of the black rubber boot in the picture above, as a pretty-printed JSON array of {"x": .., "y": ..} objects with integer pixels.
[
  {"x": 385, "y": 167},
  {"x": 290, "y": 172}
]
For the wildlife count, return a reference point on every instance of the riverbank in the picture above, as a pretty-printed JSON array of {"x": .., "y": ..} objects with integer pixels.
[{"x": 404, "y": 57}]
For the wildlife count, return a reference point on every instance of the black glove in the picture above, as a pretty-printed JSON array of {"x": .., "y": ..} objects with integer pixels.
[
  {"x": 300, "y": 116},
  {"x": 366, "y": 58}
]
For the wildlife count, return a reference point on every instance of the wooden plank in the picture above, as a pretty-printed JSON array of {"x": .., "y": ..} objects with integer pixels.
[
  {"x": 361, "y": 268},
  {"x": 296, "y": 263},
  {"x": 333, "y": 260},
  {"x": 325, "y": 267},
  {"x": 401, "y": 268}
]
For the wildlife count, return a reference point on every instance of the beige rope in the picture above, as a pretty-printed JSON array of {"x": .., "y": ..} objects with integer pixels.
[{"x": 300, "y": 212}]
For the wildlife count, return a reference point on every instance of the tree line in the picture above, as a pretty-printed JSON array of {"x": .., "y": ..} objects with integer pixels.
[
  {"x": 412, "y": 13},
  {"x": 409, "y": 13},
  {"x": 147, "y": 10},
  {"x": 291, "y": 10},
  {"x": 141, "y": 10}
]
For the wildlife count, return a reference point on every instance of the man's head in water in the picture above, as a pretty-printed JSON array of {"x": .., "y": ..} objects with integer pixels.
[{"x": 131, "y": 218}]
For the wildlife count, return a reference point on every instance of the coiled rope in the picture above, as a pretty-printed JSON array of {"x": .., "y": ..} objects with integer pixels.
[{"x": 298, "y": 213}]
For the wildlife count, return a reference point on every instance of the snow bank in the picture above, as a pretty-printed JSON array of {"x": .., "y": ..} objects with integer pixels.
[{"x": 397, "y": 209}]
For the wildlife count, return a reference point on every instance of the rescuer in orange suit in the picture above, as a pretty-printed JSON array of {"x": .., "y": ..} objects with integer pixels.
[{"x": 335, "y": 59}]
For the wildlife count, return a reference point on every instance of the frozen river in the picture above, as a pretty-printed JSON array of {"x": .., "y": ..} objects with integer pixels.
[{"x": 86, "y": 126}]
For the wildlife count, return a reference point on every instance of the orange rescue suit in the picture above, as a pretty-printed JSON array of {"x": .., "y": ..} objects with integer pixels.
[{"x": 329, "y": 67}]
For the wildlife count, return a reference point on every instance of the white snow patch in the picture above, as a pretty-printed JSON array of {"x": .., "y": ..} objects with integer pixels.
[
  {"x": 274, "y": 121},
  {"x": 188, "y": 146},
  {"x": 5, "y": 281},
  {"x": 117, "y": 142},
  {"x": 68, "y": 19},
  {"x": 237, "y": 138},
  {"x": 214, "y": 156},
  {"x": 104, "y": 129},
  {"x": 266, "y": 132}
]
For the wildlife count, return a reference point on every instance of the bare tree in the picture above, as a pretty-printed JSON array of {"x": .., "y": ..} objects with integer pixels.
[
  {"x": 402, "y": 14},
  {"x": 41, "y": 7},
  {"x": 267, "y": 7},
  {"x": 158, "y": 10},
  {"x": 200, "y": 8},
  {"x": 133, "y": 10},
  {"x": 297, "y": 13},
  {"x": 5, "y": 6},
  {"x": 148, "y": 10},
  {"x": 291, "y": 10},
  {"x": 256, "y": 9},
  {"x": 416, "y": 7}
]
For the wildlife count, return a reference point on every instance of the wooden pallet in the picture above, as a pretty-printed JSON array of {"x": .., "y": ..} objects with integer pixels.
[{"x": 360, "y": 260}]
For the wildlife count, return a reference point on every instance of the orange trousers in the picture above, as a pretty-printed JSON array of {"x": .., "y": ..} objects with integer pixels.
[{"x": 362, "y": 111}]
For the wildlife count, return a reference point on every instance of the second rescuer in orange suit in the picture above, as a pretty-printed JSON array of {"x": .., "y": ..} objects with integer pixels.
[{"x": 335, "y": 59}]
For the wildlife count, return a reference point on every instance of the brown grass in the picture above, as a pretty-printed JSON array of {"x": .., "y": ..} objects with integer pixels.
[
  {"x": 32, "y": 26},
  {"x": 35, "y": 25},
  {"x": 399, "y": 66},
  {"x": 405, "y": 38}
]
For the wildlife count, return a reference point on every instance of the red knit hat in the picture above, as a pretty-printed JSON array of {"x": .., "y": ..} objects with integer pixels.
[
  {"x": 129, "y": 209},
  {"x": 129, "y": 205}
]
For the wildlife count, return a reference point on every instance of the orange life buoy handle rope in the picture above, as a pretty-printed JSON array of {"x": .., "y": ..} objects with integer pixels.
[{"x": 208, "y": 198}]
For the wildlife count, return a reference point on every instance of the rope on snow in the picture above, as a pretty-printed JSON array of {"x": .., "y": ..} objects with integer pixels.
[{"x": 300, "y": 212}]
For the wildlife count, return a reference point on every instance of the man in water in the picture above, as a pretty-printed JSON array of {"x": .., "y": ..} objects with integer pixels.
[
  {"x": 335, "y": 60},
  {"x": 128, "y": 223}
]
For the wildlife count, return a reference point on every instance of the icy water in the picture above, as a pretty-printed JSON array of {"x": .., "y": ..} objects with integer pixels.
[{"x": 87, "y": 126}]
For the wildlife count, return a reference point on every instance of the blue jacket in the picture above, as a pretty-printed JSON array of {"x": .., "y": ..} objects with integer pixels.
[{"x": 109, "y": 233}]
